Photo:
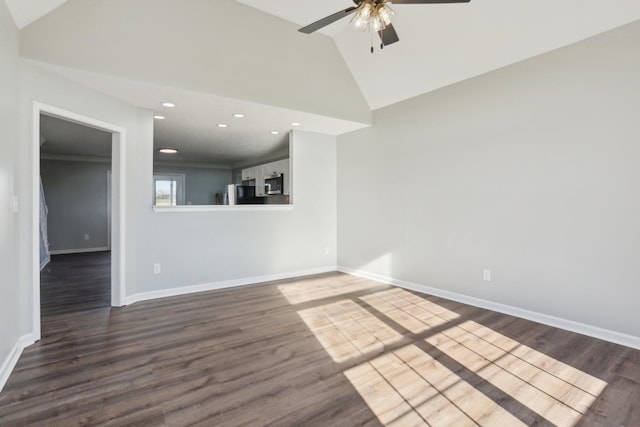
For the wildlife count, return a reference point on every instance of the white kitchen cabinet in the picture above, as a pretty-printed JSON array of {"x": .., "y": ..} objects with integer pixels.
[
  {"x": 260, "y": 190},
  {"x": 287, "y": 176},
  {"x": 249, "y": 174},
  {"x": 267, "y": 169}
]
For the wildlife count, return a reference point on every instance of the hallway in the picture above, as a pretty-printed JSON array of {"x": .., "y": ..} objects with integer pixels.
[{"x": 75, "y": 282}]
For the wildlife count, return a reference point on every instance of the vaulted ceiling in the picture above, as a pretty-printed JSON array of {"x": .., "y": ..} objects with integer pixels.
[
  {"x": 441, "y": 44},
  {"x": 250, "y": 50}
]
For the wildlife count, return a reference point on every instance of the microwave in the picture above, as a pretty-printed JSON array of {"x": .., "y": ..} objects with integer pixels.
[{"x": 274, "y": 184}]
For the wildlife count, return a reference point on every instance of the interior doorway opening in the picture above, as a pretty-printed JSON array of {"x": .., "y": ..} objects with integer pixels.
[
  {"x": 93, "y": 231},
  {"x": 75, "y": 254}
]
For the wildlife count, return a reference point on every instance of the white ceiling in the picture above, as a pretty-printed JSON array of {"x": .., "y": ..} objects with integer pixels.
[
  {"x": 192, "y": 126},
  {"x": 439, "y": 45},
  {"x": 25, "y": 12}
]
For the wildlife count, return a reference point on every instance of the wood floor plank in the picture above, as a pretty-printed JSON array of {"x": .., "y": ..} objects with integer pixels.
[{"x": 258, "y": 355}]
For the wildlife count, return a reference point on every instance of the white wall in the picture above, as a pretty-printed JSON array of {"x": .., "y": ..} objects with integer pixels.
[
  {"x": 9, "y": 141},
  {"x": 531, "y": 171},
  {"x": 193, "y": 248},
  {"x": 213, "y": 247}
]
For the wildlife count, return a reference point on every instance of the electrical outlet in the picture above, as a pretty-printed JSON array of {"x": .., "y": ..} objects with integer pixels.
[
  {"x": 87, "y": 237},
  {"x": 486, "y": 275},
  {"x": 16, "y": 204},
  {"x": 327, "y": 251},
  {"x": 157, "y": 269}
]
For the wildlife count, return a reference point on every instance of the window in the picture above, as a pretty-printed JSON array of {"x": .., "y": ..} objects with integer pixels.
[{"x": 168, "y": 190}]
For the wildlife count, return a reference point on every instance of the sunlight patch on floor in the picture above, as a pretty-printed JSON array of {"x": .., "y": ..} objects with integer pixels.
[
  {"x": 408, "y": 387},
  {"x": 303, "y": 291},
  {"x": 409, "y": 310},
  {"x": 346, "y": 330},
  {"x": 555, "y": 390}
]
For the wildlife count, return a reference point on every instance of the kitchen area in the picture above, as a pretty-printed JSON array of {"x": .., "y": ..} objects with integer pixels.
[{"x": 264, "y": 184}]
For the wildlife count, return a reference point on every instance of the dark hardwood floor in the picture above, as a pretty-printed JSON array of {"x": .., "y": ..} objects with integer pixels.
[
  {"x": 75, "y": 282},
  {"x": 328, "y": 350}
]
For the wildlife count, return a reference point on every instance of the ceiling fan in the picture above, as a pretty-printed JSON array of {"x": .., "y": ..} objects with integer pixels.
[{"x": 372, "y": 16}]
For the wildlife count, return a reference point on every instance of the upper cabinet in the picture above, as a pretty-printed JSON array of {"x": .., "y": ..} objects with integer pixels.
[
  {"x": 259, "y": 173},
  {"x": 249, "y": 174}
]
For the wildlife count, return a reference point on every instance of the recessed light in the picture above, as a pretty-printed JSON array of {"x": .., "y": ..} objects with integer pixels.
[
  {"x": 168, "y": 104},
  {"x": 238, "y": 115},
  {"x": 168, "y": 150},
  {"x": 222, "y": 125},
  {"x": 159, "y": 117},
  {"x": 295, "y": 124},
  {"x": 275, "y": 132}
]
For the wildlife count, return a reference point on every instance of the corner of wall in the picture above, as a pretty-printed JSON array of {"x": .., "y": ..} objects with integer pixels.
[{"x": 11, "y": 360}]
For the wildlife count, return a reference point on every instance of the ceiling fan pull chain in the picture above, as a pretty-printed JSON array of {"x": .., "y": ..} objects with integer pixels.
[{"x": 371, "y": 42}]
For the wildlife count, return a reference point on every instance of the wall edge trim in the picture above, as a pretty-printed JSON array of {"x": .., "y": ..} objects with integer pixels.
[
  {"x": 545, "y": 319},
  {"x": 165, "y": 293},
  {"x": 11, "y": 360},
  {"x": 79, "y": 251}
]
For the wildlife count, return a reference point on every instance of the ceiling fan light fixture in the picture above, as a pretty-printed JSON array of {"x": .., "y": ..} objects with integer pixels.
[
  {"x": 370, "y": 16},
  {"x": 385, "y": 13},
  {"x": 373, "y": 16},
  {"x": 364, "y": 14}
]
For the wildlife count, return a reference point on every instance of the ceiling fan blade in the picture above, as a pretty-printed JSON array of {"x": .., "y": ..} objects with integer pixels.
[
  {"x": 326, "y": 21},
  {"x": 428, "y": 1},
  {"x": 389, "y": 35}
]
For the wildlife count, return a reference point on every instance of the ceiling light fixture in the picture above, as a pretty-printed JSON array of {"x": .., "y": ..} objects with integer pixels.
[
  {"x": 222, "y": 125},
  {"x": 295, "y": 124},
  {"x": 373, "y": 15},
  {"x": 168, "y": 104},
  {"x": 238, "y": 115},
  {"x": 168, "y": 150},
  {"x": 159, "y": 117},
  {"x": 275, "y": 132}
]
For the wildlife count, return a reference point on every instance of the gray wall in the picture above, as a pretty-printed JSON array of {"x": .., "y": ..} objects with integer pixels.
[
  {"x": 9, "y": 142},
  {"x": 201, "y": 184},
  {"x": 37, "y": 84},
  {"x": 531, "y": 171},
  {"x": 193, "y": 247},
  {"x": 9, "y": 289},
  {"x": 197, "y": 248},
  {"x": 76, "y": 194}
]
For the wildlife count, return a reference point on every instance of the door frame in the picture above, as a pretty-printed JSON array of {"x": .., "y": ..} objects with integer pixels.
[{"x": 117, "y": 203}]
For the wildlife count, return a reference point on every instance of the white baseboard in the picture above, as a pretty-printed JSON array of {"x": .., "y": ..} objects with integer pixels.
[
  {"x": 164, "y": 293},
  {"x": 545, "y": 319},
  {"x": 79, "y": 251},
  {"x": 12, "y": 358}
]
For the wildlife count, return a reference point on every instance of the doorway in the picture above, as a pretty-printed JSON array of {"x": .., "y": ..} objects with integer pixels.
[{"x": 114, "y": 232}]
